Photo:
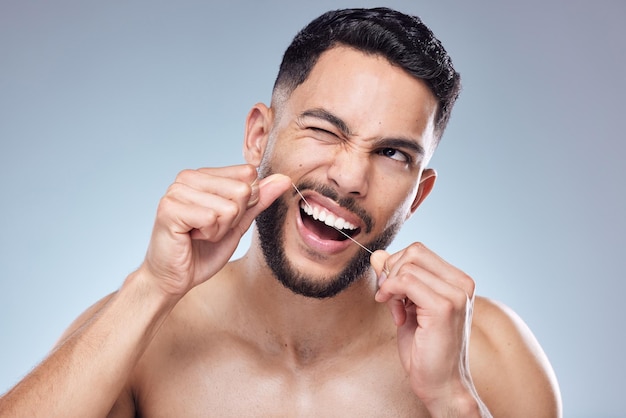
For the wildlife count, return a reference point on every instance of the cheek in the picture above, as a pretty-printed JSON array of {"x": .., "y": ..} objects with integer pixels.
[
  {"x": 394, "y": 205},
  {"x": 397, "y": 215},
  {"x": 297, "y": 157}
]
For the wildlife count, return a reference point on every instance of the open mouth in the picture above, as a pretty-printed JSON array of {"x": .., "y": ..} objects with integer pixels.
[{"x": 326, "y": 225}]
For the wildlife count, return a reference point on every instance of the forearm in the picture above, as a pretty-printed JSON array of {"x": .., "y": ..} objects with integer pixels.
[
  {"x": 461, "y": 400},
  {"x": 467, "y": 407},
  {"x": 84, "y": 375}
]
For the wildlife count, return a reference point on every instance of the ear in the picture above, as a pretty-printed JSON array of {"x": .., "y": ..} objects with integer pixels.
[
  {"x": 427, "y": 182},
  {"x": 257, "y": 130}
]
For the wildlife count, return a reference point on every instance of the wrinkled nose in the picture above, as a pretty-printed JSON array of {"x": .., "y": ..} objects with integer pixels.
[{"x": 349, "y": 172}]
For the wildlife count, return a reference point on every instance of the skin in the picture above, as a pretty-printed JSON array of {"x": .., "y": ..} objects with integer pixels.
[{"x": 191, "y": 334}]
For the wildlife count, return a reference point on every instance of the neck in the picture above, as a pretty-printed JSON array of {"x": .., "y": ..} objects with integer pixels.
[{"x": 300, "y": 327}]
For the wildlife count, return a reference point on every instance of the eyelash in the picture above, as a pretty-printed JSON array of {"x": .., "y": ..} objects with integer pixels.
[
  {"x": 407, "y": 157},
  {"x": 321, "y": 130}
]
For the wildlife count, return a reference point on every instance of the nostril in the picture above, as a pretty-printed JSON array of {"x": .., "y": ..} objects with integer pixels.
[{"x": 349, "y": 173}]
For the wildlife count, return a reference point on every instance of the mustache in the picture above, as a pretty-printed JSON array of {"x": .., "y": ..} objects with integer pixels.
[{"x": 345, "y": 202}]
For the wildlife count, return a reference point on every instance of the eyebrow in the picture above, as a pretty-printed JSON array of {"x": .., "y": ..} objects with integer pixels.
[
  {"x": 337, "y": 122},
  {"x": 324, "y": 114}
]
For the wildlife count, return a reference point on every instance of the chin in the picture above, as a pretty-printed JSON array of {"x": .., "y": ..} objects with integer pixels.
[{"x": 312, "y": 282}]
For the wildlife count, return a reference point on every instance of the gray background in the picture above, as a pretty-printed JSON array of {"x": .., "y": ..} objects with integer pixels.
[{"x": 102, "y": 103}]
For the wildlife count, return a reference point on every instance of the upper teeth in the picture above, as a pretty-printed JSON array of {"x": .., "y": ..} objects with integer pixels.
[{"x": 322, "y": 215}]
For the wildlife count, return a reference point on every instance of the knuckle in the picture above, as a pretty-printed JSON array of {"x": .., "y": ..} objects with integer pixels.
[
  {"x": 249, "y": 172},
  {"x": 165, "y": 205},
  {"x": 447, "y": 307},
  {"x": 405, "y": 274},
  {"x": 210, "y": 227},
  {"x": 468, "y": 284},
  {"x": 231, "y": 210},
  {"x": 175, "y": 189},
  {"x": 416, "y": 249},
  {"x": 184, "y": 176},
  {"x": 242, "y": 190},
  {"x": 210, "y": 217}
]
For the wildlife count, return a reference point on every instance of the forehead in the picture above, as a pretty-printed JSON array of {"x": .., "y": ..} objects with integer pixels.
[{"x": 374, "y": 97}]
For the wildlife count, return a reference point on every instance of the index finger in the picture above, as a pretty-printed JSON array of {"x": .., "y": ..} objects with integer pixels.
[
  {"x": 378, "y": 260},
  {"x": 420, "y": 255}
]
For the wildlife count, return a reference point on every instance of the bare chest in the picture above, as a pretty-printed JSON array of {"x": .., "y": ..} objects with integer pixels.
[{"x": 227, "y": 385}]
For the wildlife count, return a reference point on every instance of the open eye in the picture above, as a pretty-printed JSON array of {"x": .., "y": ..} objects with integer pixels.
[{"x": 395, "y": 154}]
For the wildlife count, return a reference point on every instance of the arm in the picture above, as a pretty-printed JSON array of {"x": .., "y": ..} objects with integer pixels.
[
  {"x": 509, "y": 366},
  {"x": 431, "y": 303},
  {"x": 433, "y": 306},
  {"x": 198, "y": 226},
  {"x": 84, "y": 375}
]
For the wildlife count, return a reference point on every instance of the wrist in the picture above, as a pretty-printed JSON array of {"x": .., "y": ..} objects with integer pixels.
[
  {"x": 143, "y": 285},
  {"x": 458, "y": 403}
]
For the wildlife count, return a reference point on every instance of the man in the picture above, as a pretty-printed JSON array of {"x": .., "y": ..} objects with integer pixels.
[{"x": 303, "y": 325}]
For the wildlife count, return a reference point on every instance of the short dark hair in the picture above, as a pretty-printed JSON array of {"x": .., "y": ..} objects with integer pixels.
[{"x": 402, "y": 39}]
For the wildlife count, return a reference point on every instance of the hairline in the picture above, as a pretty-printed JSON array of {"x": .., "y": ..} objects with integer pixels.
[{"x": 281, "y": 92}]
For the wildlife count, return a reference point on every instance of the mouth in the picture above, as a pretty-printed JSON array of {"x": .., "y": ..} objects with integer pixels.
[{"x": 325, "y": 224}]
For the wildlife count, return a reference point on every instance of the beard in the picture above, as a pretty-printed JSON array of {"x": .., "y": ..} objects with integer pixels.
[{"x": 270, "y": 225}]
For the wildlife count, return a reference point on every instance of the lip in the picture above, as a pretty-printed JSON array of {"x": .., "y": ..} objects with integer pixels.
[{"x": 313, "y": 240}]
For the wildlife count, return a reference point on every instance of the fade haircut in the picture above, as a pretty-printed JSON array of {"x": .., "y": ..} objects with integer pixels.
[{"x": 402, "y": 39}]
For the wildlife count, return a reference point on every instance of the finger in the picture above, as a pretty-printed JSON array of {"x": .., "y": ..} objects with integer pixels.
[
  {"x": 210, "y": 217},
  {"x": 254, "y": 193},
  {"x": 436, "y": 300},
  {"x": 233, "y": 182},
  {"x": 185, "y": 210},
  {"x": 419, "y": 255},
  {"x": 405, "y": 277},
  {"x": 378, "y": 260},
  {"x": 242, "y": 172},
  {"x": 214, "y": 193},
  {"x": 269, "y": 189},
  {"x": 215, "y": 220},
  {"x": 429, "y": 260},
  {"x": 398, "y": 311},
  {"x": 408, "y": 278},
  {"x": 245, "y": 173},
  {"x": 422, "y": 287}
]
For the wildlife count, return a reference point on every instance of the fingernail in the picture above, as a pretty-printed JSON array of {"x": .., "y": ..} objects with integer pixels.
[{"x": 254, "y": 195}]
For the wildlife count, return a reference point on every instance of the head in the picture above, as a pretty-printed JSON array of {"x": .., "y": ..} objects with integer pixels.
[
  {"x": 360, "y": 101},
  {"x": 402, "y": 39}
]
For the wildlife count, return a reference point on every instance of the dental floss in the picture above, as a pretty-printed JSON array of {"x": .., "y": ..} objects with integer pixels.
[
  {"x": 338, "y": 230},
  {"x": 385, "y": 269}
]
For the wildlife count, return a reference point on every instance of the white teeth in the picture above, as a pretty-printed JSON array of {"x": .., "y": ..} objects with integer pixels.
[{"x": 322, "y": 215}]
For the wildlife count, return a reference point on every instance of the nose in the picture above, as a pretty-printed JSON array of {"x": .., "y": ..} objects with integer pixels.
[{"x": 349, "y": 171}]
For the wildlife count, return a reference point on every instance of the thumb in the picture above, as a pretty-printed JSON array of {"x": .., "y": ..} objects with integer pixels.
[
  {"x": 269, "y": 189},
  {"x": 378, "y": 259}
]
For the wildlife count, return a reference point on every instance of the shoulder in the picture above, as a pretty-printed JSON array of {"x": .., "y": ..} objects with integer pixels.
[
  {"x": 500, "y": 323},
  {"x": 510, "y": 369}
]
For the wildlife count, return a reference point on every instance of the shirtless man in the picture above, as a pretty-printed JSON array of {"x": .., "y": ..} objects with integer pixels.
[{"x": 303, "y": 324}]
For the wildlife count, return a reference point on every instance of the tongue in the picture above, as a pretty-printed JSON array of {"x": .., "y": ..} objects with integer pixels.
[{"x": 322, "y": 230}]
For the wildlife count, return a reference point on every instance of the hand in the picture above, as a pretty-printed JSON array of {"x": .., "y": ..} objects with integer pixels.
[
  {"x": 431, "y": 303},
  {"x": 201, "y": 220}
]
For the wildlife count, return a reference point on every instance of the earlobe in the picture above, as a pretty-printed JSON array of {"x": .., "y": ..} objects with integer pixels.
[
  {"x": 427, "y": 182},
  {"x": 258, "y": 126}
]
